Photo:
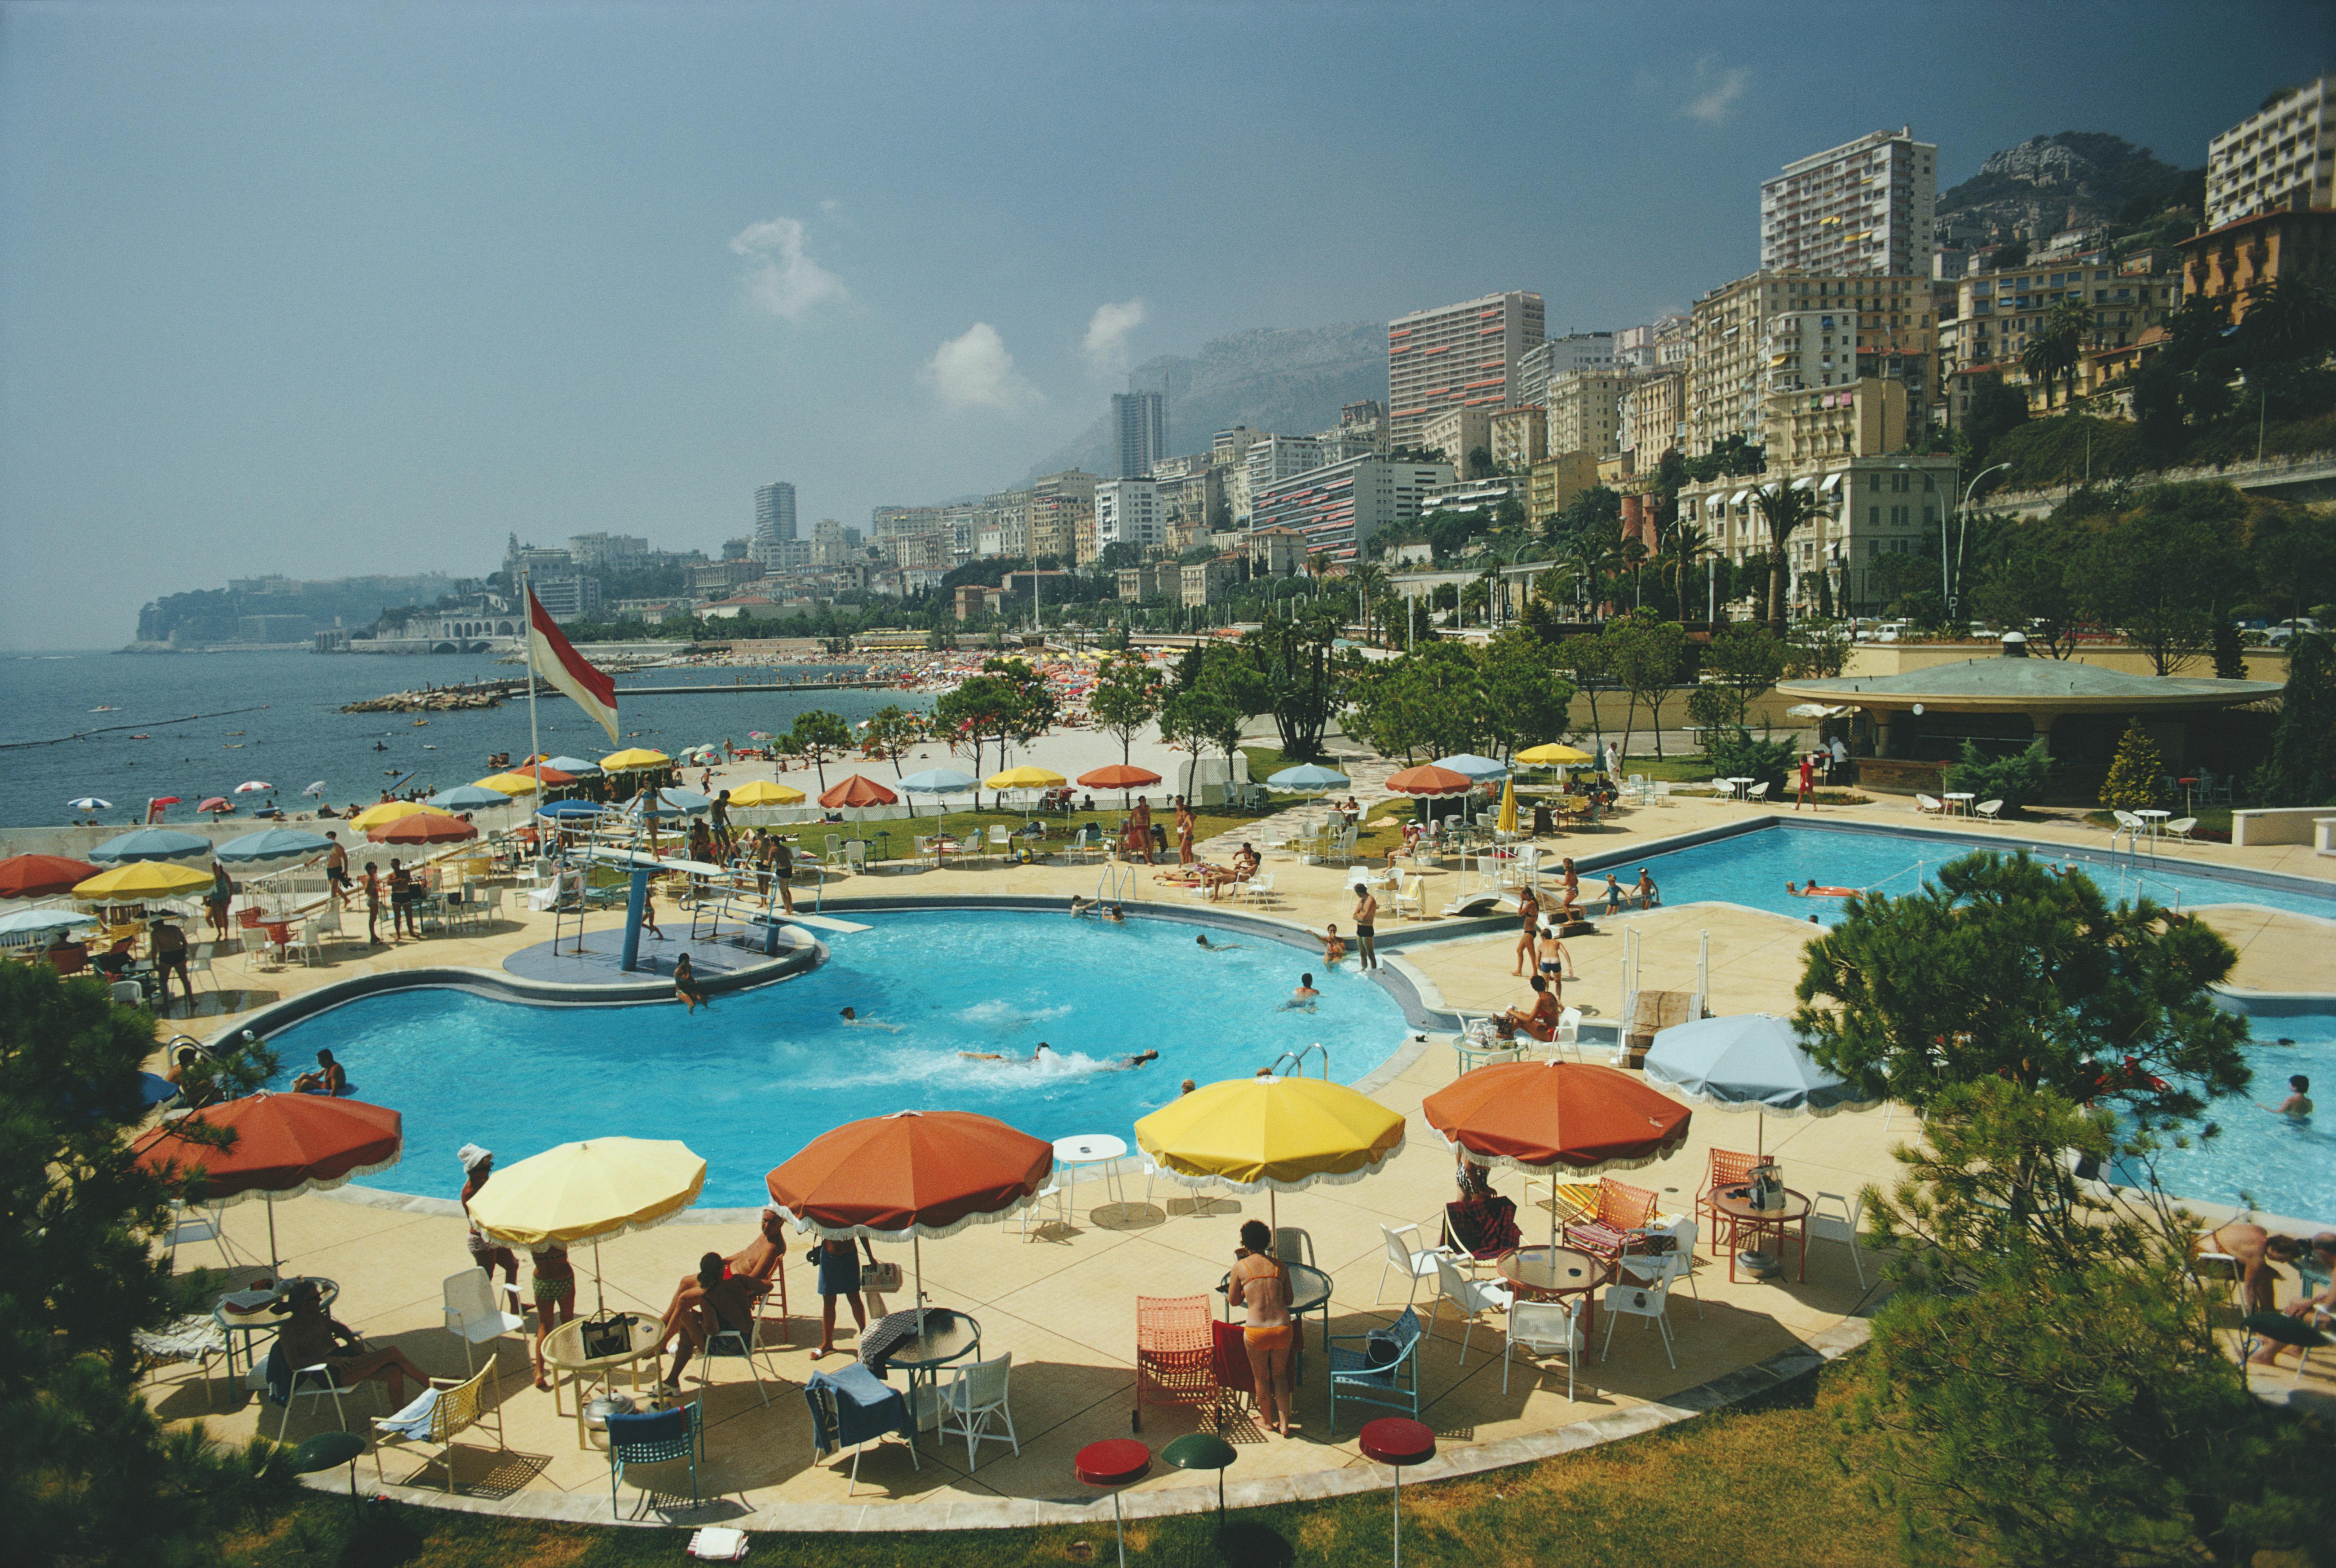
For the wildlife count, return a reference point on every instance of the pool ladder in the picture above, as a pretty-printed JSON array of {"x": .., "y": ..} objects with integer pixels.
[
  {"x": 1118, "y": 884},
  {"x": 1296, "y": 1061}
]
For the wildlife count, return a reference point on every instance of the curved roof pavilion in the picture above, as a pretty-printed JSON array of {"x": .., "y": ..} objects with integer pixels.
[{"x": 1924, "y": 715}]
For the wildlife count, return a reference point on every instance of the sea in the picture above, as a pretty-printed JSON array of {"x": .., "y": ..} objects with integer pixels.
[{"x": 127, "y": 728}]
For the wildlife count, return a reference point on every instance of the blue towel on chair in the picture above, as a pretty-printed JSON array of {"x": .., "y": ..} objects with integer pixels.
[{"x": 864, "y": 1407}]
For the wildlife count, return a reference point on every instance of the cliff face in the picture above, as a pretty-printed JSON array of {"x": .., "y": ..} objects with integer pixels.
[
  {"x": 2072, "y": 179},
  {"x": 1286, "y": 381}
]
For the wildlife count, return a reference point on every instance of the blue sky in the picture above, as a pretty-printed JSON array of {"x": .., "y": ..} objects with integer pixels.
[{"x": 328, "y": 289}]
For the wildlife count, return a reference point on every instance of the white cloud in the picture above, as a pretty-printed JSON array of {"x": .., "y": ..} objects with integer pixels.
[
  {"x": 1106, "y": 339},
  {"x": 781, "y": 276},
  {"x": 973, "y": 370},
  {"x": 1717, "y": 91}
]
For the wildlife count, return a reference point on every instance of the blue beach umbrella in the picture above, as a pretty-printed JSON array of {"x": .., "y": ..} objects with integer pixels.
[
  {"x": 1470, "y": 765},
  {"x": 89, "y": 803},
  {"x": 165, "y": 845},
  {"x": 570, "y": 811},
  {"x": 1748, "y": 1062},
  {"x": 1309, "y": 778},
  {"x": 41, "y": 923},
  {"x": 271, "y": 850},
  {"x": 469, "y": 798},
  {"x": 687, "y": 803},
  {"x": 574, "y": 765},
  {"x": 937, "y": 780}
]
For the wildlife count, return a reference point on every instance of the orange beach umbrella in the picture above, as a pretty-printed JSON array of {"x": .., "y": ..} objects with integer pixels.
[
  {"x": 283, "y": 1144},
  {"x": 1430, "y": 782},
  {"x": 424, "y": 828},
  {"x": 859, "y": 790}
]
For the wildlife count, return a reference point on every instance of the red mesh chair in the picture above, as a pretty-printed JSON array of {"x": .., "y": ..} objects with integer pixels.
[
  {"x": 1234, "y": 1375},
  {"x": 1729, "y": 1168},
  {"x": 1623, "y": 1210},
  {"x": 1175, "y": 1352}
]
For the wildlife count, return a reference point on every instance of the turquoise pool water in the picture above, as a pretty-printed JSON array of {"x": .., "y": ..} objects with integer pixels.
[
  {"x": 1753, "y": 868},
  {"x": 2260, "y": 1160},
  {"x": 751, "y": 1079}
]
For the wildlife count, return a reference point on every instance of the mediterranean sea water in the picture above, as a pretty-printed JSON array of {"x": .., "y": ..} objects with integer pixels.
[{"x": 277, "y": 718}]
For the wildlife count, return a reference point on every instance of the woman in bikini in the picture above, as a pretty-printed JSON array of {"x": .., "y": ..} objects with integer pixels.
[
  {"x": 553, "y": 1281},
  {"x": 1528, "y": 928},
  {"x": 1183, "y": 832},
  {"x": 1259, "y": 1283}
]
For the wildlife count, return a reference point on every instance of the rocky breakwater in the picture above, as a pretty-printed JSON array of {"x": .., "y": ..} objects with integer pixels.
[{"x": 442, "y": 699}]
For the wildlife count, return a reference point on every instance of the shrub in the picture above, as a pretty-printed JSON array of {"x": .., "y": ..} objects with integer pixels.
[
  {"x": 1739, "y": 754},
  {"x": 2132, "y": 782},
  {"x": 2016, "y": 780}
]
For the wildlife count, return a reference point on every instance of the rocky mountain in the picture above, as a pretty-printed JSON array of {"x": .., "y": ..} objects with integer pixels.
[
  {"x": 2075, "y": 179},
  {"x": 1290, "y": 381}
]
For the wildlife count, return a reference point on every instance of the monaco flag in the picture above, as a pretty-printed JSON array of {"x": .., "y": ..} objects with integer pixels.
[{"x": 552, "y": 657}]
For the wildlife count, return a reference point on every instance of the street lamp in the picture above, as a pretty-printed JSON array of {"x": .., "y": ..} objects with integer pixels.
[{"x": 1954, "y": 590}]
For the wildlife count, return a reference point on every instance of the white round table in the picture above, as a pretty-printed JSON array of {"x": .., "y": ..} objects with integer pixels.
[
  {"x": 1961, "y": 800},
  {"x": 1737, "y": 786},
  {"x": 1090, "y": 1149},
  {"x": 2156, "y": 820}
]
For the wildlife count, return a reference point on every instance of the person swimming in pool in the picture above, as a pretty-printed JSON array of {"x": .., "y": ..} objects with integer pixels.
[
  {"x": 1202, "y": 940},
  {"x": 856, "y": 1021},
  {"x": 1085, "y": 908},
  {"x": 1044, "y": 1052},
  {"x": 1116, "y": 915},
  {"x": 2297, "y": 1106},
  {"x": 1126, "y": 1064},
  {"x": 1303, "y": 999}
]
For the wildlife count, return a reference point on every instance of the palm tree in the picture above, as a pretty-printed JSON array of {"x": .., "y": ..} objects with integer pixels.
[
  {"x": 1370, "y": 579},
  {"x": 1784, "y": 509},
  {"x": 2291, "y": 316},
  {"x": 1686, "y": 544},
  {"x": 2052, "y": 354}
]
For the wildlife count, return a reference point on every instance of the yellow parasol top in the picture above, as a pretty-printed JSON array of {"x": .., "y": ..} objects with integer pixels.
[
  {"x": 594, "y": 1190},
  {"x": 763, "y": 792},
  {"x": 140, "y": 880},
  {"x": 388, "y": 812},
  {"x": 1024, "y": 778},
  {"x": 509, "y": 784},
  {"x": 1508, "y": 822},
  {"x": 1553, "y": 755},
  {"x": 1282, "y": 1133},
  {"x": 633, "y": 757}
]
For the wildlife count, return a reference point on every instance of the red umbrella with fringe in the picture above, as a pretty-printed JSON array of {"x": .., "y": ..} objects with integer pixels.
[
  {"x": 1542, "y": 1117},
  {"x": 38, "y": 876},
  {"x": 424, "y": 828},
  {"x": 859, "y": 790},
  {"x": 282, "y": 1144}
]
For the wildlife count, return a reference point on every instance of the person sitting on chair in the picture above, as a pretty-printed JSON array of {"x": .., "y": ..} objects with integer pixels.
[
  {"x": 1540, "y": 1021},
  {"x": 722, "y": 1302},
  {"x": 310, "y": 1335}
]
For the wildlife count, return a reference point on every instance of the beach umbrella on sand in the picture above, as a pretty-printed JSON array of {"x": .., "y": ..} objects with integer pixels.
[
  {"x": 165, "y": 845},
  {"x": 574, "y": 766},
  {"x": 1279, "y": 1134},
  {"x": 425, "y": 828},
  {"x": 317, "y": 789},
  {"x": 40, "y": 876},
  {"x": 543, "y": 772},
  {"x": 1748, "y": 1062},
  {"x": 1542, "y": 1117},
  {"x": 913, "y": 1174},
  {"x": 272, "y": 850},
  {"x": 252, "y": 786},
  {"x": 89, "y": 803},
  {"x": 219, "y": 805},
  {"x": 507, "y": 783},
  {"x": 284, "y": 1145},
  {"x": 633, "y": 757},
  {"x": 594, "y": 1192},
  {"x": 388, "y": 812}
]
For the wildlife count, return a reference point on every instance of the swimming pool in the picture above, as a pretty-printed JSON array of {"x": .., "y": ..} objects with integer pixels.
[
  {"x": 1753, "y": 868},
  {"x": 2260, "y": 1160},
  {"x": 751, "y": 1079}
]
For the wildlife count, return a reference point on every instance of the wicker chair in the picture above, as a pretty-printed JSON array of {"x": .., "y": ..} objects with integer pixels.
[{"x": 1175, "y": 1352}]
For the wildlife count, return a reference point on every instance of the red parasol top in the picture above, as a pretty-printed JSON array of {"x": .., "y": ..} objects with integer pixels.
[
  {"x": 1533, "y": 1115},
  {"x": 930, "y": 1172},
  {"x": 217, "y": 803},
  {"x": 859, "y": 790},
  {"x": 1430, "y": 781},
  {"x": 1119, "y": 776},
  {"x": 37, "y": 876},
  {"x": 424, "y": 828},
  {"x": 284, "y": 1145},
  {"x": 541, "y": 773}
]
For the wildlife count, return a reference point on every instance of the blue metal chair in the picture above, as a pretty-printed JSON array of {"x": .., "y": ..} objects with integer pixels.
[
  {"x": 1393, "y": 1383},
  {"x": 851, "y": 1406},
  {"x": 659, "y": 1437}
]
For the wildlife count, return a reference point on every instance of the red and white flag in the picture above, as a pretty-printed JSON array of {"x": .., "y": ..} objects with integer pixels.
[{"x": 555, "y": 658}]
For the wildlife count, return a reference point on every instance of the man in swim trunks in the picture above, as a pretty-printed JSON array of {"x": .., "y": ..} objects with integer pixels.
[
  {"x": 1646, "y": 895},
  {"x": 1366, "y": 914},
  {"x": 1554, "y": 959},
  {"x": 839, "y": 1275},
  {"x": 1261, "y": 1285},
  {"x": 337, "y": 871},
  {"x": 170, "y": 946}
]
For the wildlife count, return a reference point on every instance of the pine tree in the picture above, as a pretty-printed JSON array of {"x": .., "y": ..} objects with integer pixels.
[{"x": 2132, "y": 784}]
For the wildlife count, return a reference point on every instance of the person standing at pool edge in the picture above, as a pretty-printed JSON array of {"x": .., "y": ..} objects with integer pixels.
[
  {"x": 486, "y": 1252},
  {"x": 839, "y": 1275},
  {"x": 684, "y": 983},
  {"x": 1366, "y": 914}
]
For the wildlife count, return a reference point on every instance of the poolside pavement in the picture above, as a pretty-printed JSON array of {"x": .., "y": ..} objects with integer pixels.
[{"x": 1062, "y": 1301}]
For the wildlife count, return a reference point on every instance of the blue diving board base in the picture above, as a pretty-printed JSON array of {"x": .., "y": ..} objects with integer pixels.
[{"x": 733, "y": 960}]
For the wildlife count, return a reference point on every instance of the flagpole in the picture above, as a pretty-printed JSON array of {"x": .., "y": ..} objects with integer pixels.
[{"x": 527, "y": 619}]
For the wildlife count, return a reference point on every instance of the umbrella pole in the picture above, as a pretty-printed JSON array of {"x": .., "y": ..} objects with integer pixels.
[
  {"x": 274, "y": 1266},
  {"x": 917, "y": 1243},
  {"x": 599, "y": 1289}
]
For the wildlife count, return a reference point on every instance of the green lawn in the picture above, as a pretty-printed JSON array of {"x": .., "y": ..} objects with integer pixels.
[{"x": 1775, "y": 1481}]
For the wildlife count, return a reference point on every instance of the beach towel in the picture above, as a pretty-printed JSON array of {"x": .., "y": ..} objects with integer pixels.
[{"x": 415, "y": 1420}]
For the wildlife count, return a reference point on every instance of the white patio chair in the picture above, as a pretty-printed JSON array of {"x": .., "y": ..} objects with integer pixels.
[
  {"x": 1758, "y": 793},
  {"x": 2180, "y": 828},
  {"x": 1646, "y": 1301},
  {"x": 973, "y": 1399},
  {"x": 2128, "y": 824},
  {"x": 317, "y": 1382},
  {"x": 1259, "y": 888},
  {"x": 1416, "y": 1263},
  {"x": 1839, "y": 1224},
  {"x": 1569, "y": 1033},
  {"x": 471, "y": 1314},
  {"x": 1409, "y": 900},
  {"x": 1991, "y": 810},
  {"x": 311, "y": 943},
  {"x": 1473, "y": 1298},
  {"x": 192, "y": 1224},
  {"x": 198, "y": 964},
  {"x": 1663, "y": 793},
  {"x": 1546, "y": 1329},
  {"x": 1670, "y": 1268},
  {"x": 1930, "y": 806},
  {"x": 129, "y": 993},
  {"x": 1293, "y": 1245},
  {"x": 855, "y": 854},
  {"x": 1001, "y": 843},
  {"x": 1051, "y": 1193}
]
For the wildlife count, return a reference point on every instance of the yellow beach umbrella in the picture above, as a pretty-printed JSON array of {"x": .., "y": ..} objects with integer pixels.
[
  {"x": 509, "y": 784},
  {"x": 1507, "y": 822},
  {"x": 1552, "y": 756},
  {"x": 1277, "y": 1134},
  {"x": 1024, "y": 778},
  {"x": 384, "y": 813},
  {"x": 594, "y": 1192},
  {"x": 763, "y": 792},
  {"x": 139, "y": 881},
  {"x": 633, "y": 757}
]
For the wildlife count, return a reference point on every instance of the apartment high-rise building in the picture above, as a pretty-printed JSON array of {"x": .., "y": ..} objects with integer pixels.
[
  {"x": 1585, "y": 412},
  {"x": 1139, "y": 424},
  {"x": 1556, "y": 356},
  {"x": 1743, "y": 349},
  {"x": 1128, "y": 511},
  {"x": 1519, "y": 438},
  {"x": 774, "y": 511},
  {"x": 1455, "y": 432},
  {"x": 1868, "y": 206},
  {"x": 1337, "y": 508},
  {"x": 1231, "y": 446},
  {"x": 1653, "y": 416},
  {"x": 1464, "y": 356},
  {"x": 2281, "y": 158}
]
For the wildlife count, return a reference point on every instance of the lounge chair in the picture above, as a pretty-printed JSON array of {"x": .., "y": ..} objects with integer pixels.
[{"x": 1174, "y": 1352}]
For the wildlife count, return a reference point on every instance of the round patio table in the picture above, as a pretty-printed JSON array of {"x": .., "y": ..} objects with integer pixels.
[
  {"x": 2157, "y": 820},
  {"x": 1090, "y": 1149},
  {"x": 1960, "y": 801},
  {"x": 1111, "y": 1463},
  {"x": 1553, "y": 1273},
  {"x": 262, "y": 1309},
  {"x": 1735, "y": 1204},
  {"x": 563, "y": 1351},
  {"x": 945, "y": 1336}
]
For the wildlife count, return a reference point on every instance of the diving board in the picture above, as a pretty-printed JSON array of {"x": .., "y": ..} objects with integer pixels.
[{"x": 823, "y": 922}]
